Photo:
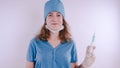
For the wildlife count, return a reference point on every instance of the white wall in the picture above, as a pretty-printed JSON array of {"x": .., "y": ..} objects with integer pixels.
[{"x": 20, "y": 20}]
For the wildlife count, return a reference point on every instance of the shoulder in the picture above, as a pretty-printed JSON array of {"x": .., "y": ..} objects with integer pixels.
[
  {"x": 36, "y": 41},
  {"x": 33, "y": 40},
  {"x": 71, "y": 41}
]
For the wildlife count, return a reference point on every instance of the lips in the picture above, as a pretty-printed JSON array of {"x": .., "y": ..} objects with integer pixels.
[{"x": 54, "y": 23}]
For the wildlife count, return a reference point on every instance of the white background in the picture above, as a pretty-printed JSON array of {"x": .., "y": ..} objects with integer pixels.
[{"x": 21, "y": 20}]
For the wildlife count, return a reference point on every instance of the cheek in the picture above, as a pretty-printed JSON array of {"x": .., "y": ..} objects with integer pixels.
[
  {"x": 47, "y": 22},
  {"x": 61, "y": 22}
]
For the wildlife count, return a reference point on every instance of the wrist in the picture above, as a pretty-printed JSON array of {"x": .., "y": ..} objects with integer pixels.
[{"x": 81, "y": 66}]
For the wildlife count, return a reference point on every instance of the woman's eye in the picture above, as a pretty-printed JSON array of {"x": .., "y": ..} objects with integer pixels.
[
  {"x": 50, "y": 15},
  {"x": 58, "y": 15}
]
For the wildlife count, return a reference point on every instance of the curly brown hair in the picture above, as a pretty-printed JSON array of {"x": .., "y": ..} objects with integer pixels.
[{"x": 64, "y": 34}]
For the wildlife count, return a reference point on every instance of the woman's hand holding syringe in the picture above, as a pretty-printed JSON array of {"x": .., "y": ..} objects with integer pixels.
[{"x": 90, "y": 57}]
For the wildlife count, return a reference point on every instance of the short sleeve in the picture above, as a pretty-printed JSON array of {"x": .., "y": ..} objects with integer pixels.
[
  {"x": 31, "y": 52},
  {"x": 74, "y": 54}
]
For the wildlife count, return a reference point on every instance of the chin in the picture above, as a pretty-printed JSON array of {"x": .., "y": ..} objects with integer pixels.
[{"x": 55, "y": 27}]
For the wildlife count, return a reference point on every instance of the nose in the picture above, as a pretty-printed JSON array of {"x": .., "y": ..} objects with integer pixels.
[{"x": 54, "y": 18}]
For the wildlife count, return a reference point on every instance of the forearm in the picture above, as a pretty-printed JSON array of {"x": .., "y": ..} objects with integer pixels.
[
  {"x": 80, "y": 66},
  {"x": 29, "y": 64}
]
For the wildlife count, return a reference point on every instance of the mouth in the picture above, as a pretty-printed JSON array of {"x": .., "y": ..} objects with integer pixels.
[{"x": 54, "y": 23}]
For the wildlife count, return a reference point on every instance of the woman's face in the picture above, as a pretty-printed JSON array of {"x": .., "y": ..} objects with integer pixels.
[{"x": 54, "y": 20}]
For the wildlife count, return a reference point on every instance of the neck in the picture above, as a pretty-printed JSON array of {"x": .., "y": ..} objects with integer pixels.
[{"x": 54, "y": 36}]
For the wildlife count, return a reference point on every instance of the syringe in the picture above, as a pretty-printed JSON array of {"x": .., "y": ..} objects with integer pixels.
[
  {"x": 92, "y": 43},
  {"x": 93, "y": 39}
]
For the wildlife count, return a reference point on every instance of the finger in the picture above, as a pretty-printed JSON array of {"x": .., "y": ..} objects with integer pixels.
[
  {"x": 88, "y": 50},
  {"x": 94, "y": 47},
  {"x": 88, "y": 47},
  {"x": 92, "y": 56}
]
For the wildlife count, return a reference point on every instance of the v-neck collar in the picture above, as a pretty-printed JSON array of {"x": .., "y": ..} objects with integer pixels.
[{"x": 52, "y": 46}]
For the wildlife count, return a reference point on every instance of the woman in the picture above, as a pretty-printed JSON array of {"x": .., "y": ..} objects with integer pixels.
[{"x": 54, "y": 47}]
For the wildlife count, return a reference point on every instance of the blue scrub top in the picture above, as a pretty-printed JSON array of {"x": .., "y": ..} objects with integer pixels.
[{"x": 45, "y": 56}]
